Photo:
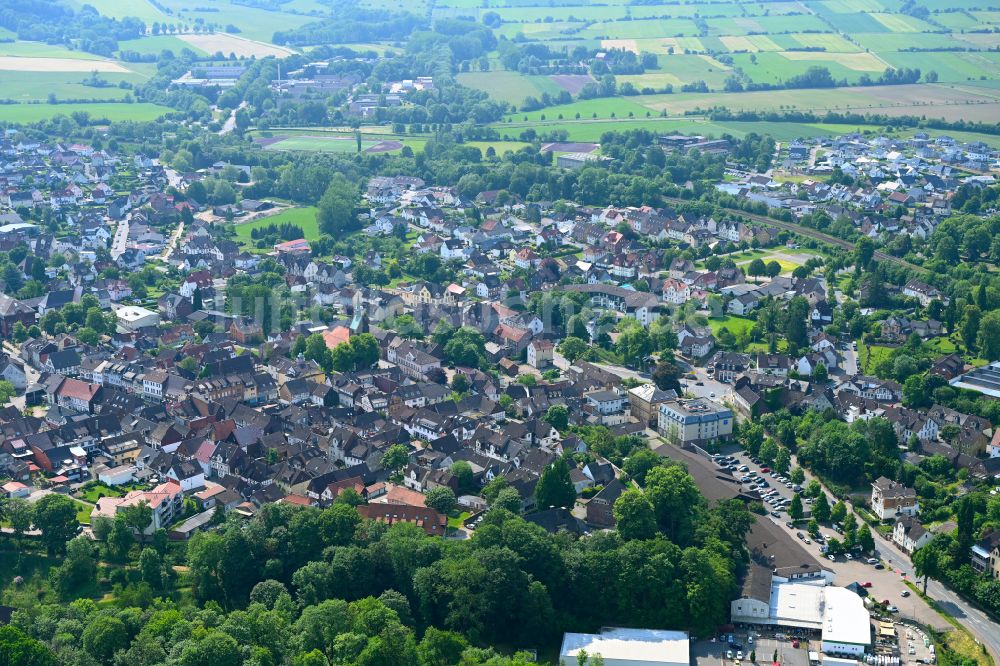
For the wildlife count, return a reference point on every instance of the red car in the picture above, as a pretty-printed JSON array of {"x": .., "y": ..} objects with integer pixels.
[
  {"x": 866, "y": 584},
  {"x": 765, "y": 470}
]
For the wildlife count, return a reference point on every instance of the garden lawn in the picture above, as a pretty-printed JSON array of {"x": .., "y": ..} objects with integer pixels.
[
  {"x": 870, "y": 356},
  {"x": 93, "y": 494},
  {"x": 303, "y": 218},
  {"x": 457, "y": 522},
  {"x": 83, "y": 512},
  {"x": 736, "y": 325}
]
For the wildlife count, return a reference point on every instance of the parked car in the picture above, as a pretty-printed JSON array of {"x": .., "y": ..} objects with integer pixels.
[
  {"x": 765, "y": 469},
  {"x": 904, "y": 593},
  {"x": 872, "y": 560},
  {"x": 880, "y": 566},
  {"x": 848, "y": 556},
  {"x": 867, "y": 583}
]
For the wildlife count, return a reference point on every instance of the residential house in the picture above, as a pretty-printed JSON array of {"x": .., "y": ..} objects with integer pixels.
[{"x": 890, "y": 500}]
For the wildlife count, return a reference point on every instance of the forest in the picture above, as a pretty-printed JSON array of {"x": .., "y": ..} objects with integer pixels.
[{"x": 308, "y": 586}]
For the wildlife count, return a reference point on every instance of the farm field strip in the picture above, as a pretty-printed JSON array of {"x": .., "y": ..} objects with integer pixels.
[
  {"x": 241, "y": 46},
  {"x": 32, "y": 64},
  {"x": 114, "y": 112}
]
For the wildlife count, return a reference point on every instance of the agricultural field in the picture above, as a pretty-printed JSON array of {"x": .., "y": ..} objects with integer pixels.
[
  {"x": 950, "y": 102},
  {"x": 255, "y": 24},
  {"x": 760, "y": 42},
  {"x": 155, "y": 44},
  {"x": 112, "y": 112},
  {"x": 22, "y": 49},
  {"x": 227, "y": 44},
  {"x": 140, "y": 9},
  {"x": 37, "y": 86},
  {"x": 22, "y": 64},
  {"x": 511, "y": 87},
  {"x": 34, "y": 72}
]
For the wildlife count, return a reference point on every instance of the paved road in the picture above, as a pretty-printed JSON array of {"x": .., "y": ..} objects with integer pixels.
[
  {"x": 174, "y": 237},
  {"x": 120, "y": 241},
  {"x": 850, "y": 362},
  {"x": 31, "y": 375},
  {"x": 230, "y": 123}
]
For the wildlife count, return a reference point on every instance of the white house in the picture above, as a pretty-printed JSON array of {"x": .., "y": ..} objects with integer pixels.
[
  {"x": 540, "y": 353},
  {"x": 909, "y": 534},
  {"x": 676, "y": 292},
  {"x": 891, "y": 500}
]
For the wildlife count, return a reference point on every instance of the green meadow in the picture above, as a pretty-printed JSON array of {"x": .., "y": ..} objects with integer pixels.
[
  {"x": 303, "y": 218},
  {"x": 113, "y": 112}
]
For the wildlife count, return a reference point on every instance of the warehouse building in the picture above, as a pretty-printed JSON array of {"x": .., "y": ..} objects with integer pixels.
[
  {"x": 834, "y": 614},
  {"x": 629, "y": 647}
]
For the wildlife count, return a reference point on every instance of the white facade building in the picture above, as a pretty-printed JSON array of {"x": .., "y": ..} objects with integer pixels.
[{"x": 629, "y": 647}]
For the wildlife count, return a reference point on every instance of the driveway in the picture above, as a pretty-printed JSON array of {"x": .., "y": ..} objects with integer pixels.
[
  {"x": 704, "y": 386},
  {"x": 31, "y": 377}
]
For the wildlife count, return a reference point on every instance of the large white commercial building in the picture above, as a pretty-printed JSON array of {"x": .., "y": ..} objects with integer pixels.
[
  {"x": 629, "y": 647},
  {"x": 133, "y": 317},
  {"x": 836, "y": 614}
]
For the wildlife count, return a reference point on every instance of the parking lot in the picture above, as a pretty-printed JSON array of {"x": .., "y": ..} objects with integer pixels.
[
  {"x": 778, "y": 492},
  {"x": 886, "y": 584},
  {"x": 707, "y": 653}
]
